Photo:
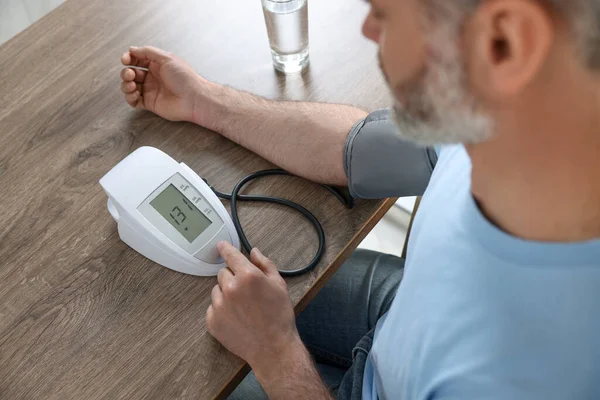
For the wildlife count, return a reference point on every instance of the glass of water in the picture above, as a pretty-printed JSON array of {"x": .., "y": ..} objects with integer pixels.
[{"x": 287, "y": 26}]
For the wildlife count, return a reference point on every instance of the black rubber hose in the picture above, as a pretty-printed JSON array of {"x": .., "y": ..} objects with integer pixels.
[{"x": 235, "y": 196}]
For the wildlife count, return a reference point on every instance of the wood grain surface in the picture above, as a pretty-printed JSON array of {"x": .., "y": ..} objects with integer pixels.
[{"x": 82, "y": 316}]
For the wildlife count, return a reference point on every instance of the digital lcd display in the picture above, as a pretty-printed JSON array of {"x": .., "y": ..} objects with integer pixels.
[{"x": 173, "y": 206}]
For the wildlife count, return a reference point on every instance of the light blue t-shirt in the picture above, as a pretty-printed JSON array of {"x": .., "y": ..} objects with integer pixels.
[{"x": 483, "y": 315}]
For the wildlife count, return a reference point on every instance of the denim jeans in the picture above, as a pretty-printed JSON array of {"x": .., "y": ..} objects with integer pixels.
[{"x": 337, "y": 326}]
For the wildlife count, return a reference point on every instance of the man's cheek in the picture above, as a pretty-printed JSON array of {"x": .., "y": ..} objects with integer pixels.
[
  {"x": 388, "y": 66},
  {"x": 398, "y": 57},
  {"x": 391, "y": 54}
]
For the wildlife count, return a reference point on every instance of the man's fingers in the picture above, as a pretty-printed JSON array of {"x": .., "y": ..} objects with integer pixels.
[
  {"x": 128, "y": 87},
  {"x": 224, "y": 276},
  {"x": 232, "y": 256},
  {"x": 148, "y": 54},
  {"x": 216, "y": 297},
  {"x": 127, "y": 74},
  {"x": 140, "y": 75},
  {"x": 264, "y": 263},
  {"x": 254, "y": 256},
  {"x": 129, "y": 59},
  {"x": 132, "y": 98},
  {"x": 135, "y": 100},
  {"x": 126, "y": 59},
  {"x": 210, "y": 318}
]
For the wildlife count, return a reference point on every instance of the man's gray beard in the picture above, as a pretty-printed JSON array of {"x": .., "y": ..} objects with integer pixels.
[{"x": 437, "y": 107}]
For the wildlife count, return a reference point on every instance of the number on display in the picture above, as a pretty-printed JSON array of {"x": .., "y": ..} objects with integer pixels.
[{"x": 180, "y": 215}]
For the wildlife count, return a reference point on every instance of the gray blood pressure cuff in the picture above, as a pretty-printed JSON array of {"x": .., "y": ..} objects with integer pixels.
[{"x": 380, "y": 164}]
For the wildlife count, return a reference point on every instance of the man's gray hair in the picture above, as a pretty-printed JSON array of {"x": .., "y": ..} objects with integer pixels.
[{"x": 583, "y": 17}]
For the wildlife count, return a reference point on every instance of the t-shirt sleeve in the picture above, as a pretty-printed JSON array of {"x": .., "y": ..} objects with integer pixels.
[{"x": 380, "y": 164}]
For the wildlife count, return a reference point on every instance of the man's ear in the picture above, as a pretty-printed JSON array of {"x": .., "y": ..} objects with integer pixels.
[{"x": 506, "y": 44}]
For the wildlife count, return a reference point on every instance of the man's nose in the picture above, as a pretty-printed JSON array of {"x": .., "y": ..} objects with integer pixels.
[{"x": 370, "y": 28}]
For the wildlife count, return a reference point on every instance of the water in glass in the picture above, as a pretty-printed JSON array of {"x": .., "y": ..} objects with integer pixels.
[{"x": 287, "y": 26}]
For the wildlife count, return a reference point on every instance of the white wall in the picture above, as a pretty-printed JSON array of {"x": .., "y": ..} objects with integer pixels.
[{"x": 16, "y": 15}]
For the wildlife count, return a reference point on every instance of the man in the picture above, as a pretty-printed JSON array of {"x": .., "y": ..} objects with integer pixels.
[{"x": 499, "y": 298}]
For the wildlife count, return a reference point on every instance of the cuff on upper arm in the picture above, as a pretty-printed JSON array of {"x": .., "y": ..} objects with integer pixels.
[{"x": 380, "y": 164}]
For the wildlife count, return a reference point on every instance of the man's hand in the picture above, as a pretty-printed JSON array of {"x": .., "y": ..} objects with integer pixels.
[
  {"x": 170, "y": 87},
  {"x": 251, "y": 313}
]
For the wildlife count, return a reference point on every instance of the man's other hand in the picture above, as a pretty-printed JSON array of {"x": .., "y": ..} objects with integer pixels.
[
  {"x": 170, "y": 88},
  {"x": 251, "y": 313}
]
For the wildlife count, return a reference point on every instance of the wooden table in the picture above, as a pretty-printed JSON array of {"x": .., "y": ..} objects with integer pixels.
[{"x": 82, "y": 316}]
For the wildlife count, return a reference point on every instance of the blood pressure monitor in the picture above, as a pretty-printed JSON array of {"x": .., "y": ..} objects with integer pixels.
[{"x": 167, "y": 213}]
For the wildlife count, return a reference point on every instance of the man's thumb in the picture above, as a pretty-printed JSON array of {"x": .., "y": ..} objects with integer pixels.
[{"x": 149, "y": 53}]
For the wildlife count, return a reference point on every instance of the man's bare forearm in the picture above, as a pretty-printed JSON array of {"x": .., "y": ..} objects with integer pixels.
[
  {"x": 306, "y": 139},
  {"x": 291, "y": 376}
]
